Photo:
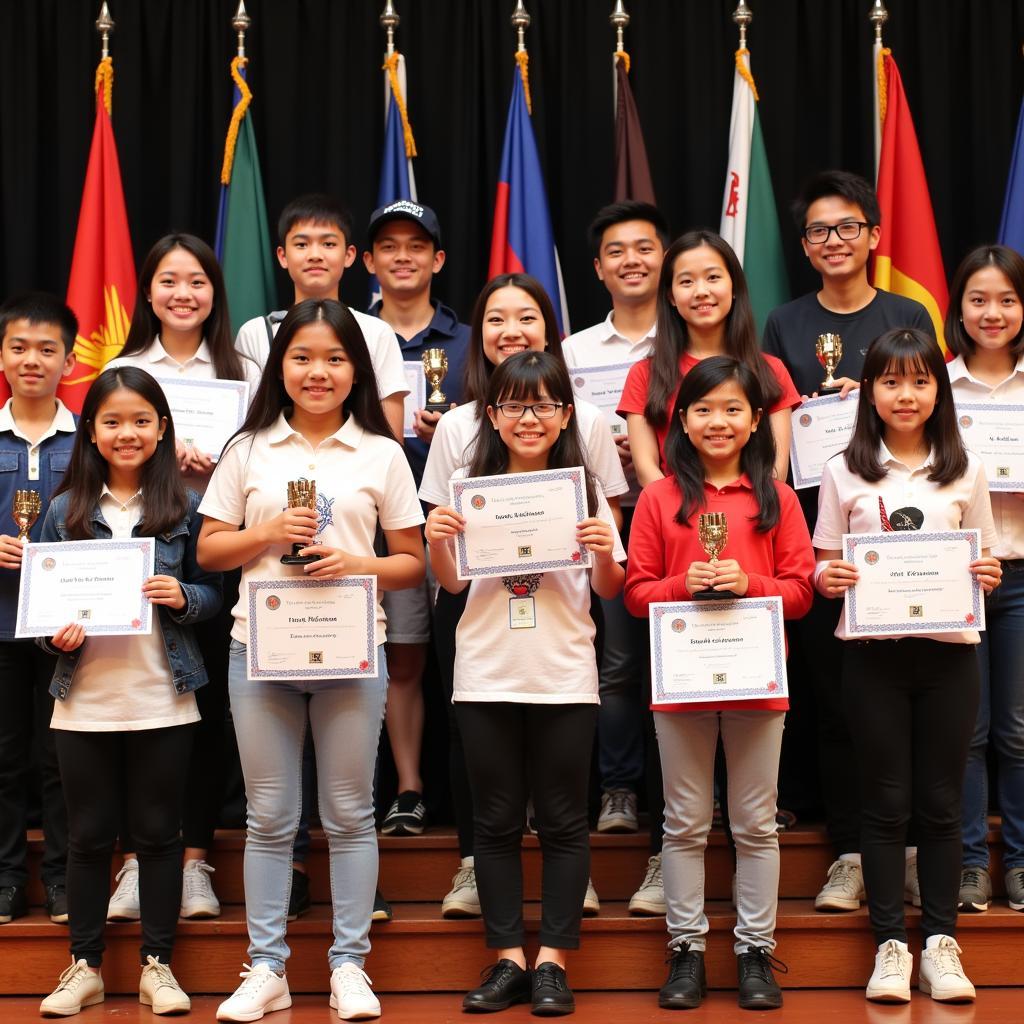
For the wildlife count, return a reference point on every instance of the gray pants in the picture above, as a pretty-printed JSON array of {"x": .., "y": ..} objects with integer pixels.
[{"x": 752, "y": 741}]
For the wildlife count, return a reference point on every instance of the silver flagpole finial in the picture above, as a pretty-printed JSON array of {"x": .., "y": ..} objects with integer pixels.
[
  {"x": 389, "y": 21},
  {"x": 240, "y": 23},
  {"x": 878, "y": 16},
  {"x": 105, "y": 25},
  {"x": 742, "y": 17},
  {"x": 520, "y": 22},
  {"x": 619, "y": 19}
]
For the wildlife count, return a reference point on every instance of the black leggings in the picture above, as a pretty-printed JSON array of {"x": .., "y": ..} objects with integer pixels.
[
  {"x": 144, "y": 771},
  {"x": 911, "y": 705},
  {"x": 513, "y": 752}
]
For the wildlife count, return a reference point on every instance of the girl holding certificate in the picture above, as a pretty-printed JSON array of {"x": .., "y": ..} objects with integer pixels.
[
  {"x": 125, "y": 709},
  {"x": 984, "y": 330},
  {"x": 526, "y": 701},
  {"x": 911, "y": 701},
  {"x": 720, "y": 454},
  {"x": 315, "y": 416}
]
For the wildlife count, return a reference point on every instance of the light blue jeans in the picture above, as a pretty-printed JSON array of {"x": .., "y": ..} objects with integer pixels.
[{"x": 345, "y": 718}]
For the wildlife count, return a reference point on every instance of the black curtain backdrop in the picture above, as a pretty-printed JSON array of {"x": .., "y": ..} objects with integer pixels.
[{"x": 315, "y": 74}]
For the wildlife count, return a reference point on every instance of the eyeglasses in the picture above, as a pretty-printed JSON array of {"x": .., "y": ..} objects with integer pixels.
[
  {"x": 542, "y": 410},
  {"x": 818, "y": 234}
]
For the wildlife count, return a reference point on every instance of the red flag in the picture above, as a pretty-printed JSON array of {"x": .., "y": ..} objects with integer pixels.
[
  {"x": 632, "y": 171},
  {"x": 101, "y": 286},
  {"x": 908, "y": 260}
]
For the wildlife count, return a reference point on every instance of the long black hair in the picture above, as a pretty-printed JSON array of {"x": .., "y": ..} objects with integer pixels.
[
  {"x": 673, "y": 336},
  {"x": 1004, "y": 259},
  {"x": 757, "y": 459},
  {"x": 524, "y": 377},
  {"x": 906, "y": 350},
  {"x": 165, "y": 499}
]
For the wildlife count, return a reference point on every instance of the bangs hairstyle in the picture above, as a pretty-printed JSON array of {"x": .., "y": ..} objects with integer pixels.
[
  {"x": 315, "y": 208},
  {"x": 843, "y": 185},
  {"x": 1007, "y": 260},
  {"x": 478, "y": 367},
  {"x": 165, "y": 499},
  {"x": 673, "y": 338},
  {"x": 906, "y": 351},
  {"x": 363, "y": 400},
  {"x": 757, "y": 459},
  {"x": 523, "y": 377},
  {"x": 145, "y": 326},
  {"x": 40, "y": 308}
]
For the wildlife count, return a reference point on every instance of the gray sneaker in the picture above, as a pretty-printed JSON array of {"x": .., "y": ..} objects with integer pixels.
[
  {"x": 844, "y": 888},
  {"x": 1015, "y": 888},
  {"x": 975, "y": 890},
  {"x": 649, "y": 899},
  {"x": 911, "y": 883},
  {"x": 618, "y": 811}
]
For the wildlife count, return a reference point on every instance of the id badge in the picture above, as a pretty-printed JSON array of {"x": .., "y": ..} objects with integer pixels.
[{"x": 522, "y": 613}]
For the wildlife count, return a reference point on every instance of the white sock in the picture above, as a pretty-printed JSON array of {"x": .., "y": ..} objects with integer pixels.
[
  {"x": 851, "y": 858},
  {"x": 467, "y": 862}
]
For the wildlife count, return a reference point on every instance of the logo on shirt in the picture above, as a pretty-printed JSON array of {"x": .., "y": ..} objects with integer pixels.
[{"x": 324, "y": 515}]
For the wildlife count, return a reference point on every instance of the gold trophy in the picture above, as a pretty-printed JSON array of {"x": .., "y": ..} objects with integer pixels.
[
  {"x": 829, "y": 350},
  {"x": 713, "y": 532},
  {"x": 25, "y": 510},
  {"x": 435, "y": 366},
  {"x": 301, "y": 494}
]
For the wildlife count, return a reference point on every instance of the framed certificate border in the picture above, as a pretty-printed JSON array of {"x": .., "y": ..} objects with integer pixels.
[
  {"x": 999, "y": 483},
  {"x": 578, "y": 558},
  {"x": 776, "y": 686},
  {"x": 142, "y": 623},
  {"x": 801, "y": 478},
  {"x": 616, "y": 422},
  {"x": 974, "y": 617},
  {"x": 237, "y": 390},
  {"x": 367, "y": 666}
]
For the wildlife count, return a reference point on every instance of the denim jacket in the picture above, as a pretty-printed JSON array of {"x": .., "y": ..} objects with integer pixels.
[{"x": 175, "y": 556}]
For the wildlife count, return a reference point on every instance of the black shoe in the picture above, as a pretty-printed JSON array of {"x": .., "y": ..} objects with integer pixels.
[
  {"x": 552, "y": 996},
  {"x": 407, "y": 815},
  {"x": 13, "y": 903},
  {"x": 381, "y": 908},
  {"x": 687, "y": 984},
  {"x": 298, "y": 902},
  {"x": 505, "y": 983},
  {"x": 758, "y": 988},
  {"x": 57, "y": 903}
]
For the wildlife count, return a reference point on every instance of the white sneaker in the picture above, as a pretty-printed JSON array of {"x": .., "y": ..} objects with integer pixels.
[
  {"x": 649, "y": 899},
  {"x": 591, "y": 904},
  {"x": 160, "y": 989},
  {"x": 351, "y": 994},
  {"x": 78, "y": 986},
  {"x": 844, "y": 888},
  {"x": 942, "y": 976},
  {"x": 124, "y": 904},
  {"x": 911, "y": 885},
  {"x": 261, "y": 991},
  {"x": 890, "y": 980},
  {"x": 197, "y": 896},
  {"x": 618, "y": 811},
  {"x": 463, "y": 900}
]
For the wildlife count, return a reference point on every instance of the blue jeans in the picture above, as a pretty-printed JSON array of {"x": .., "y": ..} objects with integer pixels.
[
  {"x": 270, "y": 720},
  {"x": 1001, "y": 720}
]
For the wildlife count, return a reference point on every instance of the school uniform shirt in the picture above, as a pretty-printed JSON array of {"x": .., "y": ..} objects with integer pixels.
[
  {"x": 156, "y": 360},
  {"x": 779, "y": 562},
  {"x": 1007, "y": 509},
  {"x": 553, "y": 662},
  {"x": 634, "y": 394},
  {"x": 847, "y": 503},
  {"x": 123, "y": 683},
  {"x": 455, "y": 439},
  {"x": 360, "y": 478}
]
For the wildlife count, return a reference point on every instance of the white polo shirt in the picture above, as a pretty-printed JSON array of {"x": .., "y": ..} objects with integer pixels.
[
  {"x": 157, "y": 361},
  {"x": 602, "y": 345},
  {"x": 455, "y": 439},
  {"x": 254, "y": 342},
  {"x": 1007, "y": 509},
  {"x": 361, "y": 478},
  {"x": 847, "y": 503}
]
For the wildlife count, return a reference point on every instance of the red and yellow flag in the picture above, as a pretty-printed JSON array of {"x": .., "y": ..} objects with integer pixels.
[
  {"x": 908, "y": 260},
  {"x": 101, "y": 287}
]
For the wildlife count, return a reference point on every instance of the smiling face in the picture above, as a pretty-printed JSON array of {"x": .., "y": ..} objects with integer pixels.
[
  {"x": 991, "y": 310},
  {"x": 317, "y": 373},
  {"x": 720, "y": 424},
  {"x": 630, "y": 261},
  {"x": 126, "y": 431},
  {"x": 33, "y": 358},
  {"x": 530, "y": 437},
  {"x": 512, "y": 323},
  {"x": 404, "y": 258},
  {"x": 905, "y": 398},
  {"x": 315, "y": 256},
  {"x": 701, "y": 289},
  {"x": 835, "y": 259},
  {"x": 180, "y": 293}
]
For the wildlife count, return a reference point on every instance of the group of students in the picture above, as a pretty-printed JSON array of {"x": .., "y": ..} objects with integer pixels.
[{"x": 134, "y": 721}]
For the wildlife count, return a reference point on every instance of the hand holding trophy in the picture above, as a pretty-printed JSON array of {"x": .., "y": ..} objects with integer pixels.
[
  {"x": 25, "y": 507},
  {"x": 301, "y": 494},
  {"x": 713, "y": 532},
  {"x": 829, "y": 350}
]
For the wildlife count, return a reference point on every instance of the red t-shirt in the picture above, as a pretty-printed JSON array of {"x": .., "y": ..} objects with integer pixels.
[
  {"x": 779, "y": 562},
  {"x": 634, "y": 393}
]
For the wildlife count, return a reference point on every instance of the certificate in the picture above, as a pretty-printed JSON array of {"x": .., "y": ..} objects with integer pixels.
[
  {"x": 822, "y": 427},
  {"x": 417, "y": 397},
  {"x": 995, "y": 433},
  {"x": 95, "y": 582},
  {"x": 520, "y": 523},
  {"x": 308, "y": 629},
  {"x": 913, "y": 582},
  {"x": 602, "y": 386},
  {"x": 206, "y": 412},
  {"x": 704, "y": 651}
]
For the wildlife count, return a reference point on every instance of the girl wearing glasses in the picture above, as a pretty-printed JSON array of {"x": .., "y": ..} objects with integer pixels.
[{"x": 525, "y": 689}]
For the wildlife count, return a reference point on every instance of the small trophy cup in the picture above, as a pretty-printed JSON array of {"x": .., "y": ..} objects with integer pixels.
[
  {"x": 25, "y": 511},
  {"x": 713, "y": 532},
  {"x": 435, "y": 366},
  {"x": 301, "y": 494},
  {"x": 829, "y": 350}
]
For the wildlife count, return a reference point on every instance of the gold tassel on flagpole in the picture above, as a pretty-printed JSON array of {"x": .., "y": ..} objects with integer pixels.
[
  {"x": 882, "y": 84},
  {"x": 236, "y": 117},
  {"x": 105, "y": 81},
  {"x": 390, "y": 65},
  {"x": 744, "y": 71},
  {"x": 624, "y": 57},
  {"x": 523, "y": 60}
]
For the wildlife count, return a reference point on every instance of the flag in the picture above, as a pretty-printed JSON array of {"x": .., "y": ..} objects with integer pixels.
[
  {"x": 750, "y": 221},
  {"x": 632, "y": 171},
  {"x": 1011, "y": 226},
  {"x": 243, "y": 237},
  {"x": 522, "y": 240},
  {"x": 908, "y": 260},
  {"x": 101, "y": 286}
]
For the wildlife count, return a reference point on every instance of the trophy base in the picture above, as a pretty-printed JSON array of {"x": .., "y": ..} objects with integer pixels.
[
  {"x": 714, "y": 595},
  {"x": 822, "y": 390},
  {"x": 441, "y": 407},
  {"x": 299, "y": 559}
]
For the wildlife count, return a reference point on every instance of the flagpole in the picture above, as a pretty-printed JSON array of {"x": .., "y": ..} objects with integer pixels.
[
  {"x": 742, "y": 17},
  {"x": 619, "y": 19},
  {"x": 104, "y": 25},
  {"x": 389, "y": 21},
  {"x": 240, "y": 23},
  {"x": 520, "y": 22},
  {"x": 878, "y": 16}
]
